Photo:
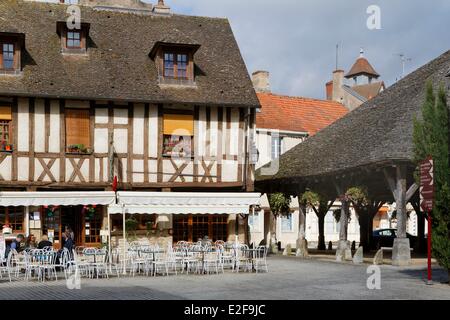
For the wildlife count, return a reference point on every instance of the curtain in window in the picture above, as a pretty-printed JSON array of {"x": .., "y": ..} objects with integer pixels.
[
  {"x": 179, "y": 124},
  {"x": 77, "y": 127}
]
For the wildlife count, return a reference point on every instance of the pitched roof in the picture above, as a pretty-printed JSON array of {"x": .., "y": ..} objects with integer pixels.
[
  {"x": 379, "y": 131},
  {"x": 370, "y": 90},
  {"x": 118, "y": 66},
  {"x": 296, "y": 113},
  {"x": 362, "y": 66}
]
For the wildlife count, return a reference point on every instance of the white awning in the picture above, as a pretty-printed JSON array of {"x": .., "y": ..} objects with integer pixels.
[
  {"x": 72, "y": 198},
  {"x": 184, "y": 203}
]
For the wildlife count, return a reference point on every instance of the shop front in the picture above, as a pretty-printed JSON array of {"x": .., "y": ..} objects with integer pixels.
[
  {"x": 39, "y": 213},
  {"x": 176, "y": 216}
]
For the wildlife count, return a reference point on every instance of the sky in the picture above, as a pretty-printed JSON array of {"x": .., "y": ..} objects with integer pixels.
[{"x": 295, "y": 40}]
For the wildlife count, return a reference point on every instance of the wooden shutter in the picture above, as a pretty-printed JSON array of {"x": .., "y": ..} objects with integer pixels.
[
  {"x": 77, "y": 127},
  {"x": 174, "y": 123}
]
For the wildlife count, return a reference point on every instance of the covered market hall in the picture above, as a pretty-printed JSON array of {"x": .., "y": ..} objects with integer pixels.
[{"x": 370, "y": 147}]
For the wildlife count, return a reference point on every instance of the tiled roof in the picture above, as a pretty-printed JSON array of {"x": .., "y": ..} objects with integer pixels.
[
  {"x": 362, "y": 66},
  {"x": 117, "y": 65},
  {"x": 369, "y": 91},
  {"x": 296, "y": 113}
]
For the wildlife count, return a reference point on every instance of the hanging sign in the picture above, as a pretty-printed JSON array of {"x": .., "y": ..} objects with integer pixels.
[{"x": 426, "y": 185}]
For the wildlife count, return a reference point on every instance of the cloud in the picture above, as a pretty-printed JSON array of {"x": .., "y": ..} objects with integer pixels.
[{"x": 296, "y": 39}]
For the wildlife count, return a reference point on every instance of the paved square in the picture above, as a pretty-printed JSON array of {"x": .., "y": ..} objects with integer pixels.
[{"x": 289, "y": 278}]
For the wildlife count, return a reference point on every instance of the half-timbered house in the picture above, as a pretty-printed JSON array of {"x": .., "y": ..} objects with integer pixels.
[{"x": 135, "y": 99}]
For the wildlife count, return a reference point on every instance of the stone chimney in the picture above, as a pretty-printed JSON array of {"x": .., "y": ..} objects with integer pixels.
[
  {"x": 260, "y": 81},
  {"x": 161, "y": 8},
  {"x": 337, "y": 83}
]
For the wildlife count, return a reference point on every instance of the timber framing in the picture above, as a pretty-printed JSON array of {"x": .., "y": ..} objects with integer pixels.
[{"x": 50, "y": 168}]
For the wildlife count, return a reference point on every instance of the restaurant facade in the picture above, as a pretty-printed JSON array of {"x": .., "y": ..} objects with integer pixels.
[{"x": 137, "y": 119}]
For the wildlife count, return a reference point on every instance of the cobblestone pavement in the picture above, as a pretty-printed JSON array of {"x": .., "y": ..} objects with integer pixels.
[{"x": 289, "y": 278}]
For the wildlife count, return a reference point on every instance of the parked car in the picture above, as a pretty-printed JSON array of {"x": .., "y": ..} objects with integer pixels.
[{"x": 385, "y": 238}]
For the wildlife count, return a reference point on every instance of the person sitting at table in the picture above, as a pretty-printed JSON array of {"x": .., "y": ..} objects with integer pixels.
[
  {"x": 31, "y": 242},
  {"x": 44, "y": 242},
  {"x": 16, "y": 244}
]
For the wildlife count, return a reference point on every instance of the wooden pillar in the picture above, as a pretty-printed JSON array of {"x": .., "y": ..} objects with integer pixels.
[
  {"x": 345, "y": 212},
  {"x": 400, "y": 201},
  {"x": 401, "y": 254}
]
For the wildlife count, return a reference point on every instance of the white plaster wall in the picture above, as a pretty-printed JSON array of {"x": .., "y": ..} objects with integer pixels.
[
  {"x": 138, "y": 129},
  {"x": 153, "y": 132},
  {"x": 214, "y": 129},
  {"x": 287, "y": 143},
  {"x": 234, "y": 138},
  {"x": 138, "y": 166},
  {"x": 101, "y": 140},
  {"x": 23, "y": 120},
  {"x": 101, "y": 115},
  {"x": 23, "y": 164},
  {"x": 55, "y": 127},
  {"x": 263, "y": 144},
  {"x": 39, "y": 125},
  {"x": 120, "y": 116},
  {"x": 121, "y": 140},
  {"x": 229, "y": 170},
  {"x": 201, "y": 134},
  {"x": 5, "y": 168},
  {"x": 153, "y": 168}
]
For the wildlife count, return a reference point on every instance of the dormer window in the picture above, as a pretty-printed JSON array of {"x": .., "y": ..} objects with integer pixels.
[
  {"x": 10, "y": 52},
  {"x": 175, "y": 63},
  {"x": 73, "y": 41},
  {"x": 8, "y": 56}
]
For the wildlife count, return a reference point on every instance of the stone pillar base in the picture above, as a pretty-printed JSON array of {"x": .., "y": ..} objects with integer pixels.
[
  {"x": 302, "y": 248},
  {"x": 343, "y": 252},
  {"x": 401, "y": 253}
]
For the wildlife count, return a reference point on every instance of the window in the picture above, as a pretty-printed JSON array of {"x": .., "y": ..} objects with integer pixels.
[
  {"x": 73, "y": 39},
  {"x": 286, "y": 223},
  {"x": 8, "y": 56},
  {"x": 178, "y": 135},
  {"x": 176, "y": 65},
  {"x": 77, "y": 131},
  {"x": 276, "y": 147},
  {"x": 145, "y": 222},
  {"x": 5, "y": 129},
  {"x": 13, "y": 216}
]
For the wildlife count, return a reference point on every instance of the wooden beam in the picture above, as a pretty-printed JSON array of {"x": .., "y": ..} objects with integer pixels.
[
  {"x": 411, "y": 191},
  {"x": 130, "y": 143},
  {"x": 15, "y": 142},
  {"x": 160, "y": 142},
  {"x": 219, "y": 143},
  {"x": 146, "y": 141},
  {"x": 391, "y": 183},
  {"x": 62, "y": 147},
  {"x": 92, "y": 141},
  {"x": 31, "y": 140}
]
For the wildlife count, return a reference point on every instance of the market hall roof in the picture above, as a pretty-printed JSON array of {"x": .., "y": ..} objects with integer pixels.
[
  {"x": 297, "y": 113},
  {"x": 377, "y": 133},
  {"x": 117, "y": 65}
]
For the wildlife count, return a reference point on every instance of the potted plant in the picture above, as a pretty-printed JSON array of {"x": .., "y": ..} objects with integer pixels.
[
  {"x": 77, "y": 148},
  {"x": 131, "y": 227}
]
